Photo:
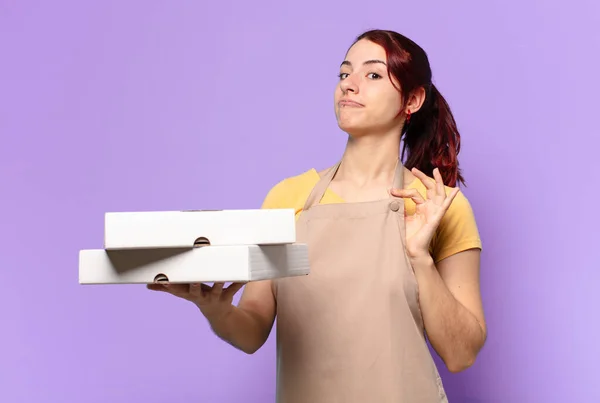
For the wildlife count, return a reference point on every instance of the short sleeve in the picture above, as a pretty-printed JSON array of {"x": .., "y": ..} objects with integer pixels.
[
  {"x": 280, "y": 196},
  {"x": 290, "y": 193},
  {"x": 457, "y": 231}
]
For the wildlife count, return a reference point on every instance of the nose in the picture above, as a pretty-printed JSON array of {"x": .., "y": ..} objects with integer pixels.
[{"x": 349, "y": 85}]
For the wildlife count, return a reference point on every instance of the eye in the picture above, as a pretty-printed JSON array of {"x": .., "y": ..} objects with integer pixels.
[
  {"x": 342, "y": 75},
  {"x": 374, "y": 76}
]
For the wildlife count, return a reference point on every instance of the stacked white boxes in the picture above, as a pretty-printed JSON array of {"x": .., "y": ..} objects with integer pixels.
[{"x": 196, "y": 246}]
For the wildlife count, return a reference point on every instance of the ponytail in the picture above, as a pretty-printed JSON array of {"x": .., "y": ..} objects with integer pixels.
[{"x": 431, "y": 139}]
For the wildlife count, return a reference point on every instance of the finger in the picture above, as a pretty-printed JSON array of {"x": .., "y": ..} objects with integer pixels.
[
  {"x": 427, "y": 181},
  {"x": 156, "y": 287},
  {"x": 455, "y": 191},
  {"x": 233, "y": 289},
  {"x": 218, "y": 288},
  {"x": 412, "y": 194},
  {"x": 201, "y": 289},
  {"x": 439, "y": 181},
  {"x": 179, "y": 290},
  {"x": 195, "y": 290}
]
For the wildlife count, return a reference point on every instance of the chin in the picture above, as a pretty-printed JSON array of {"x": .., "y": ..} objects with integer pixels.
[
  {"x": 355, "y": 133},
  {"x": 347, "y": 123},
  {"x": 352, "y": 129}
]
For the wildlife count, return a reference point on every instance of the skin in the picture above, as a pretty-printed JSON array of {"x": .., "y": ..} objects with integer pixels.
[{"x": 369, "y": 109}]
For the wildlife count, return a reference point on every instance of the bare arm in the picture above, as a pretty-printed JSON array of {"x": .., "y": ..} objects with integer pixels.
[
  {"x": 451, "y": 305},
  {"x": 246, "y": 326}
]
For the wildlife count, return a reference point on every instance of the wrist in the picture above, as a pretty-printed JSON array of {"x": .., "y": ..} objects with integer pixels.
[
  {"x": 418, "y": 254},
  {"x": 421, "y": 260},
  {"x": 215, "y": 315}
]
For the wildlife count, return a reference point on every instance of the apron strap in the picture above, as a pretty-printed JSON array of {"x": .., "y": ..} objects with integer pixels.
[
  {"x": 320, "y": 188},
  {"x": 399, "y": 175}
]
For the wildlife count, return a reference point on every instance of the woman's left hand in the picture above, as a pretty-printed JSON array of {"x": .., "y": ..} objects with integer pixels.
[{"x": 421, "y": 226}]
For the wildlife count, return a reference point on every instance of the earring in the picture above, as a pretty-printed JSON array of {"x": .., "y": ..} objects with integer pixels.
[{"x": 407, "y": 117}]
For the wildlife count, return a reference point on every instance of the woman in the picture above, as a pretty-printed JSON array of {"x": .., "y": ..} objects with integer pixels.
[{"x": 387, "y": 264}]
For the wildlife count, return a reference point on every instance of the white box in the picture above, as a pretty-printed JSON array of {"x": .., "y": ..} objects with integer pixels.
[
  {"x": 181, "y": 229},
  {"x": 204, "y": 264}
]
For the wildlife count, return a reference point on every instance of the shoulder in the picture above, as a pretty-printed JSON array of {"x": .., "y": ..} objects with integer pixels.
[
  {"x": 458, "y": 229},
  {"x": 460, "y": 206},
  {"x": 292, "y": 191}
]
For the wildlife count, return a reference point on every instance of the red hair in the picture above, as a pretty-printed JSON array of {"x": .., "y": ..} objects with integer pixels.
[{"x": 430, "y": 139}]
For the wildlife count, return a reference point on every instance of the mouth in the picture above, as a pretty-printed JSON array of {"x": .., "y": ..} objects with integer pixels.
[{"x": 346, "y": 103}]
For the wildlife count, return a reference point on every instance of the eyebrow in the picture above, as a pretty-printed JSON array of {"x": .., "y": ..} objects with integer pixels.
[{"x": 373, "y": 61}]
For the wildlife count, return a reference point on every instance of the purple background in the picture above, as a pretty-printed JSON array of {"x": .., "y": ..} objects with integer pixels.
[{"x": 118, "y": 106}]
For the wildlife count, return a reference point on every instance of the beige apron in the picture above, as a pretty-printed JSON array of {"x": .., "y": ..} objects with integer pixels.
[{"x": 351, "y": 331}]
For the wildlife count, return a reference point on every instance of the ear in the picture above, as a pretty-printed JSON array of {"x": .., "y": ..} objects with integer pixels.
[{"x": 415, "y": 100}]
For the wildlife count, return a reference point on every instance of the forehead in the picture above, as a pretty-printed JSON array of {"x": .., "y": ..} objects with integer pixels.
[{"x": 364, "y": 50}]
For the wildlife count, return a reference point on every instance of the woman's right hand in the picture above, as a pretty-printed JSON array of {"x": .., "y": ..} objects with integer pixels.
[
  {"x": 214, "y": 302},
  {"x": 245, "y": 326}
]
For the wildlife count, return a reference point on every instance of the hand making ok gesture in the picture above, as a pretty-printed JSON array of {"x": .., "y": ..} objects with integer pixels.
[{"x": 421, "y": 226}]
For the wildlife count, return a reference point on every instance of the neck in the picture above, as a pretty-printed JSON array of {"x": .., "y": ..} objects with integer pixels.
[{"x": 370, "y": 158}]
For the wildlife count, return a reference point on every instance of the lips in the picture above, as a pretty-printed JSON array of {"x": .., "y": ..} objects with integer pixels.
[{"x": 349, "y": 103}]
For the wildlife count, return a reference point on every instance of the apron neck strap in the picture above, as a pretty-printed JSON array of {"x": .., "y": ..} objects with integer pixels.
[
  {"x": 399, "y": 175},
  {"x": 321, "y": 187}
]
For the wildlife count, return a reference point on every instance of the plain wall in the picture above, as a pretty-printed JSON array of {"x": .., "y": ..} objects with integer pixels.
[{"x": 162, "y": 105}]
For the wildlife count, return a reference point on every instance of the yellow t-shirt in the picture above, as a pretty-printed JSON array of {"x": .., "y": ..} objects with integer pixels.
[{"x": 457, "y": 231}]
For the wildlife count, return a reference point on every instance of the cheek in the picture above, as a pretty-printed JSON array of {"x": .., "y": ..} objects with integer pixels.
[
  {"x": 391, "y": 105},
  {"x": 337, "y": 92}
]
